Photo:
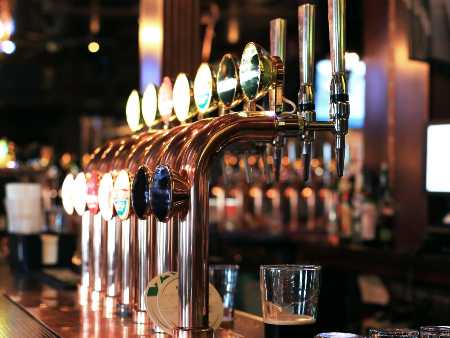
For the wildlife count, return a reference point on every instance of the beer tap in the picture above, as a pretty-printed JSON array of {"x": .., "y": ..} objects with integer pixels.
[
  {"x": 306, "y": 34},
  {"x": 339, "y": 104},
  {"x": 277, "y": 49}
]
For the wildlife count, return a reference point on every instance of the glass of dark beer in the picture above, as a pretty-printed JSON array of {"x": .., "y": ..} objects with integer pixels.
[
  {"x": 337, "y": 335},
  {"x": 435, "y": 332},
  {"x": 397, "y": 333},
  {"x": 289, "y": 295}
]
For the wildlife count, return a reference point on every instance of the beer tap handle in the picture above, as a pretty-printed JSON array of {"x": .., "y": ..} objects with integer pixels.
[
  {"x": 339, "y": 105},
  {"x": 278, "y": 38},
  {"x": 306, "y": 35}
]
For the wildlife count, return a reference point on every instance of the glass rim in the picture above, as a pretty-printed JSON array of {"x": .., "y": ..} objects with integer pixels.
[
  {"x": 435, "y": 329},
  {"x": 400, "y": 332},
  {"x": 337, "y": 334},
  {"x": 224, "y": 266},
  {"x": 291, "y": 267}
]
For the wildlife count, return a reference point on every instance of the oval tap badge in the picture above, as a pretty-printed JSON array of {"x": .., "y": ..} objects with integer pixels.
[
  {"x": 121, "y": 195},
  {"x": 92, "y": 192},
  {"x": 67, "y": 193},
  {"x": 80, "y": 193},
  {"x": 105, "y": 201}
]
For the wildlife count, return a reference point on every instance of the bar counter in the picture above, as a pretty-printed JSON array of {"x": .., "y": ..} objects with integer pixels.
[{"x": 30, "y": 308}]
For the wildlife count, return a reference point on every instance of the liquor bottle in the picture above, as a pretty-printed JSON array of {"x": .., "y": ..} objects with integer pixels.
[
  {"x": 386, "y": 207},
  {"x": 369, "y": 211},
  {"x": 345, "y": 210}
]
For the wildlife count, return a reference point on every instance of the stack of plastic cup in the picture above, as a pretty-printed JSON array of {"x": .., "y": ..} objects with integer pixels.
[{"x": 24, "y": 208}]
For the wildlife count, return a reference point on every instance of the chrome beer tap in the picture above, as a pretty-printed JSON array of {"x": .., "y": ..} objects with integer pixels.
[
  {"x": 277, "y": 49},
  {"x": 306, "y": 35},
  {"x": 339, "y": 104}
]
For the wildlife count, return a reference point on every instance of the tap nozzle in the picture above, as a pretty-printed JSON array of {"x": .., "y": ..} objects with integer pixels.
[
  {"x": 277, "y": 155},
  {"x": 306, "y": 35},
  {"x": 339, "y": 104}
]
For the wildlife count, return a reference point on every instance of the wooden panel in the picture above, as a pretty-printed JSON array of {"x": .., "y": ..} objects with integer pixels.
[
  {"x": 397, "y": 111},
  {"x": 412, "y": 114},
  {"x": 376, "y": 58}
]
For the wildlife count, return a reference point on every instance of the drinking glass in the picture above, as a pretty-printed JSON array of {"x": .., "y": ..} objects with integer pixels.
[
  {"x": 435, "y": 332},
  {"x": 224, "y": 278},
  {"x": 338, "y": 335},
  {"x": 398, "y": 333},
  {"x": 289, "y": 295}
]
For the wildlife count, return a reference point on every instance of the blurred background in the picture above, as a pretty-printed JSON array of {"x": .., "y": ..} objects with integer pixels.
[{"x": 382, "y": 232}]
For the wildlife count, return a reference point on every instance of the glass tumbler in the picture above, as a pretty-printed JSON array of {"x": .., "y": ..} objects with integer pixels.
[
  {"x": 398, "y": 333},
  {"x": 224, "y": 278},
  {"x": 289, "y": 294},
  {"x": 435, "y": 332}
]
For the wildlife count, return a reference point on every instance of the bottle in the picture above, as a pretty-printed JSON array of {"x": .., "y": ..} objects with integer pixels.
[
  {"x": 345, "y": 210},
  {"x": 369, "y": 211},
  {"x": 386, "y": 208}
]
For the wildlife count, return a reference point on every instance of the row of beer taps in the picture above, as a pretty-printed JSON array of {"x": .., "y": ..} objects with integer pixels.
[{"x": 144, "y": 198}]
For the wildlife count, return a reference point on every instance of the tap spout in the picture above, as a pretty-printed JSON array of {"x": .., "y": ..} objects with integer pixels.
[
  {"x": 306, "y": 34},
  {"x": 339, "y": 104}
]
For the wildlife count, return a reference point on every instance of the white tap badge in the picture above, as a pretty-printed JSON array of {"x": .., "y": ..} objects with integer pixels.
[
  {"x": 121, "y": 195},
  {"x": 105, "y": 200}
]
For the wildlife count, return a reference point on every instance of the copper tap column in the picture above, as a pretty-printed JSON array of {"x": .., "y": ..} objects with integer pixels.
[
  {"x": 195, "y": 160},
  {"x": 143, "y": 238},
  {"x": 109, "y": 240},
  {"x": 128, "y": 229},
  {"x": 93, "y": 172},
  {"x": 116, "y": 161},
  {"x": 146, "y": 241}
]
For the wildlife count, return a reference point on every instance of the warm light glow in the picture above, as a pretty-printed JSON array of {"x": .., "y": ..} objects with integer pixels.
[
  {"x": 217, "y": 191},
  {"x": 133, "y": 111},
  {"x": 149, "y": 104},
  {"x": 150, "y": 35},
  {"x": 307, "y": 192},
  {"x": 255, "y": 192},
  {"x": 67, "y": 193},
  {"x": 272, "y": 193},
  {"x": 252, "y": 160},
  {"x": 233, "y": 31},
  {"x": 181, "y": 97},
  {"x": 203, "y": 87},
  {"x": 165, "y": 99},
  {"x": 80, "y": 193},
  {"x": 105, "y": 201},
  {"x": 93, "y": 46},
  {"x": 233, "y": 160},
  {"x": 85, "y": 159}
]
